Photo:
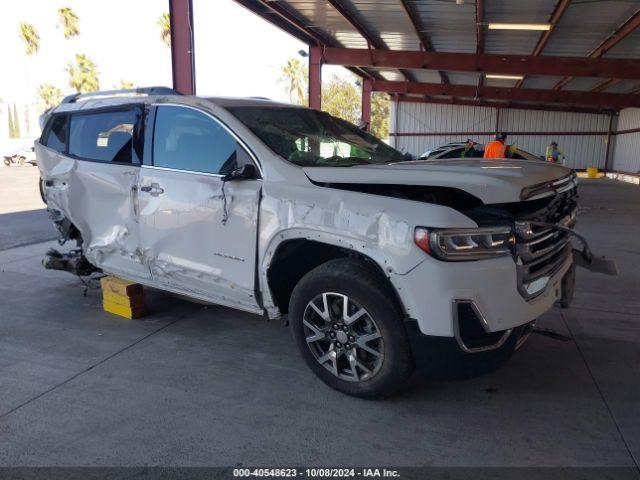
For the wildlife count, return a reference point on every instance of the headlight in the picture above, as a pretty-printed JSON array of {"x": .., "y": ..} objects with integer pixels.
[{"x": 463, "y": 244}]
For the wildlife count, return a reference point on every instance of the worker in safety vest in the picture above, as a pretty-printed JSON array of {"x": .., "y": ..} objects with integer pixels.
[
  {"x": 554, "y": 154},
  {"x": 497, "y": 148}
]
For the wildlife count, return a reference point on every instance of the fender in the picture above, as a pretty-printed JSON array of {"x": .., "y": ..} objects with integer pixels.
[{"x": 378, "y": 228}]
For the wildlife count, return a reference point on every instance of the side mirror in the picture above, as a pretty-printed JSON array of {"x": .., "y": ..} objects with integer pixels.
[{"x": 245, "y": 172}]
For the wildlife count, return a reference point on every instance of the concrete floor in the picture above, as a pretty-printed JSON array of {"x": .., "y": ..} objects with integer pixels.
[
  {"x": 197, "y": 386},
  {"x": 23, "y": 218}
]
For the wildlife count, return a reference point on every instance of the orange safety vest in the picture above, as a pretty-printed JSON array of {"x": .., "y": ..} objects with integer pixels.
[{"x": 495, "y": 149}]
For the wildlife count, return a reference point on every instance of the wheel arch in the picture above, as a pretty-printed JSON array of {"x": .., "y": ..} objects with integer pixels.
[{"x": 294, "y": 256}]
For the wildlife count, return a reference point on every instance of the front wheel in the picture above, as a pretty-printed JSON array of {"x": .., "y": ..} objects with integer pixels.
[{"x": 348, "y": 327}]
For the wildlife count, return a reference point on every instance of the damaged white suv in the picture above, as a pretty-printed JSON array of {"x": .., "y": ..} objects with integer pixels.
[{"x": 377, "y": 260}]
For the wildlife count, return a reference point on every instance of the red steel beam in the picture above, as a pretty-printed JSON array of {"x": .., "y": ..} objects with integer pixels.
[
  {"x": 479, "y": 26},
  {"x": 614, "y": 100},
  {"x": 609, "y": 149},
  {"x": 556, "y": 15},
  {"x": 355, "y": 23},
  {"x": 622, "y": 32},
  {"x": 499, "y": 105},
  {"x": 602, "y": 86},
  {"x": 425, "y": 41},
  {"x": 182, "y": 55},
  {"x": 626, "y": 132},
  {"x": 315, "y": 78},
  {"x": 362, "y": 30},
  {"x": 493, "y": 63},
  {"x": 283, "y": 19},
  {"x": 367, "y": 88},
  {"x": 480, "y": 35}
]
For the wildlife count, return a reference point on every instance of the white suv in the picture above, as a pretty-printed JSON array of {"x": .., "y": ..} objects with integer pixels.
[{"x": 281, "y": 210}]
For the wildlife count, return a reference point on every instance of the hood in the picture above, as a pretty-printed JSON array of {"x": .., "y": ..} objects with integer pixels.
[{"x": 489, "y": 180}]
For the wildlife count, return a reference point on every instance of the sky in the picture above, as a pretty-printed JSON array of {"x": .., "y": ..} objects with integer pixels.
[{"x": 237, "y": 53}]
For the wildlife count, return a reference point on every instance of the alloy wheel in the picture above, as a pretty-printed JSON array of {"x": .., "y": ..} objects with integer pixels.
[{"x": 343, "y": 337}]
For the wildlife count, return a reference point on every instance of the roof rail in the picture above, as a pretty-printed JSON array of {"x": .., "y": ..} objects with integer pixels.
[{"x": 115, "y": 93}]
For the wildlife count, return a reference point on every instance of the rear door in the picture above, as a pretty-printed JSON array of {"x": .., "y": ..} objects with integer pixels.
[
  {"x": 198, "y": 232},
  {"x": 93, "y": 182}
]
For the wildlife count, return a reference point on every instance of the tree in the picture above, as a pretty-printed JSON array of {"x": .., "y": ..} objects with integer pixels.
[
  {"x": 165, "y": 28},
  {"x": 125, "y": 84},
  {"x": 341, "y": 98},
  {"x": 69, "y": 21},
  {"x": 30, "y": 37},
  {"x": 50, "y": 96},
  {"x": 380, "y": 114},
  {"x": 83, "y": 75},
  {"x": 294, "y": 74}
]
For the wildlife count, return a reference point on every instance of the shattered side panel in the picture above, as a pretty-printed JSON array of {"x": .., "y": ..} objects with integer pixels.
[
  {"x": 98, "y": 198},
  {"x": 378, "y": 227}
]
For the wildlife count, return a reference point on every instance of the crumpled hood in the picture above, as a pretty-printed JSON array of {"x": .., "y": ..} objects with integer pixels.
[{"x": 491, "y": 181}]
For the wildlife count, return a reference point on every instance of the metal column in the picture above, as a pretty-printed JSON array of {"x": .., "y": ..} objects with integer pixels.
[
  {"x": 367, "y": 87},
  {"x": 315, "y": 78},
  {"x": 182, "y": 54}
]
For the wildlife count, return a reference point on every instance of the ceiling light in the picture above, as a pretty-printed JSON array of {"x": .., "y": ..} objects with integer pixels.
[
  {"x": 503, "y": 77},
  {"x": 519, "y": 26}
]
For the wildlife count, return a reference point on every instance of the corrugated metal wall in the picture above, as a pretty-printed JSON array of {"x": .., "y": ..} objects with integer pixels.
[
  {"x": 434, "y": 118},
  {"x": 582, "y": 151},
  {"x": 626, "y": 152}
]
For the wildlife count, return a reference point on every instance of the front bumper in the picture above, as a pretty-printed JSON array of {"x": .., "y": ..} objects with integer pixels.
[{"x": 432, "y": 291}]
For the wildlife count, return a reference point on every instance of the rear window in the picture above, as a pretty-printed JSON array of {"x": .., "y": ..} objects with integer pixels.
[
  {"x": 57, "y": 133},
  {"x": 104, "y": 136}
]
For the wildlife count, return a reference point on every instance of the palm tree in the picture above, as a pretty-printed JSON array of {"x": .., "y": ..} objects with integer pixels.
[
  {"x": 165, "y": 28},
  {"x": 50, "y": 96},
  {"x": 83, "y": 75},
  {"x": 69, "y": 22},
  {"x": 30, "y": 37},
  {"x": 294, "y": 75}
]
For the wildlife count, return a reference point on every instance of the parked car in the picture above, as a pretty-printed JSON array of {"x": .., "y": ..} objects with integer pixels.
[
  {"x": 285, "y": 211},
  {"x": 21, "y": 157},
  {"x": 454, "y": 150}
]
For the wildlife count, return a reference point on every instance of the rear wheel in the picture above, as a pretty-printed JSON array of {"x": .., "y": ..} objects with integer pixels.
[{"x": 348, "y": 327}]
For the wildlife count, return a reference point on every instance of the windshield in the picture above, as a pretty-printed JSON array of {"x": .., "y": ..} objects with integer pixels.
[{"x": 314, "y": 139}]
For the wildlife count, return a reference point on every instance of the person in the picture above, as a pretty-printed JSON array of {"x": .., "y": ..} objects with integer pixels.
[
  {"x": 554, "y": 154},
  {"x": 469, "y": 149},
  {"x": 498, "y": 148}
]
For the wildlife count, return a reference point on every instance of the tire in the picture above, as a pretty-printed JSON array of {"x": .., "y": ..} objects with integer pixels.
[
  {"x": 41, "y": 188},
  {"x": 371, "y": 353},
  {"x": 21, "y": 161}
]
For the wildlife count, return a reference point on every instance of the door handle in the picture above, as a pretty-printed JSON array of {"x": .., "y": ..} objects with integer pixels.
[{"x": 154, "y": 189}]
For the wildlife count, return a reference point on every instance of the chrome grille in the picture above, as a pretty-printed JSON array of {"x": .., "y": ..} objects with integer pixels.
[{"x": 541, "y": 251}]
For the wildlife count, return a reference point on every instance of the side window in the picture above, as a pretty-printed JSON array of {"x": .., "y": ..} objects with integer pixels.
[
  {"x": 186, "y": 139},
  {"x": 57, "y": 134},
  {"x": 104, "y": 136},
  {"x": 455, "y": 153}
]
